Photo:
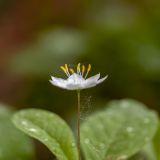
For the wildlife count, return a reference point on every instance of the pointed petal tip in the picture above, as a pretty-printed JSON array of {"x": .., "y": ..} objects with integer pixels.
[
  {"x": 105, "y": 77},
  {"x": 52, "y": 82},
  {"x": 52, "y": 77},
  {"x": 102, "y": 79}
]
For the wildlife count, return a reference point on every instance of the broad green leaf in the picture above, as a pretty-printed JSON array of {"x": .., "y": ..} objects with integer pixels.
[
  {"x": 14, "y": 145},
  {"x": 118, "y": 132},
  {"x": 156, "y": 142},
  {"x": 49, "y": 129},
  {"x": 147, "y": 153}
]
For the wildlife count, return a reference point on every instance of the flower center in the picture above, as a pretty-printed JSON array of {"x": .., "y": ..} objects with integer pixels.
[{"x": 81, "y": 70}]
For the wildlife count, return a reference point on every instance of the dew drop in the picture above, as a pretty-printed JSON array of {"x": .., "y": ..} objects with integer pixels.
[
  {"x": 24, "y": 122},
  {"x": 102, "y": 145},
  {"x": 146, "y": 120},
  {"x": 45, "y": 139},
  {"x": 32, "y": 130},
  {"x": 129, "y": 129},
  {"x": 73, "y": 144},
  {"x": 86, "y": 141},
  {"x": 147, "y": 139},
  {"x": 123, "y": 157},
  {"x": 125, "y": 104}
]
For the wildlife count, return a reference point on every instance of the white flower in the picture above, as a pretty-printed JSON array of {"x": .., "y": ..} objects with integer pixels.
[{"x": 78, "y": 80}]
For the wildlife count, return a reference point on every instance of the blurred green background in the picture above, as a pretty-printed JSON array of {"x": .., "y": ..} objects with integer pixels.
[{"x": 120, "y": 38}]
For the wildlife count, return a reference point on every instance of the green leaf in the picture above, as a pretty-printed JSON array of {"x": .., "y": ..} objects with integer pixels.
[
  {"x": 49, "y": 129},
  {"x": 156, "y": 143},
  {"x": 118, "y": 132},
  {"x": 14, "y": 145},
  {"x": 147, "y": 153}
]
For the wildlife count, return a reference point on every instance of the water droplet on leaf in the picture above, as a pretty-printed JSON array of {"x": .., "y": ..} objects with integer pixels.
[
  {"x": 102, "y": 145},
  {"x": 73, "y": 144},
  {"x": 146, "y": 120},
  {"x": 32, "y": 130},
  {"x": 24, "y": 122},
  {"x": 129, "y": 129},
  {"x": 125, "y": 104},
  {"x": 123, "y": 157},
  {"x": 86, "y": 141},
  {"x": 147, "y": 139}
]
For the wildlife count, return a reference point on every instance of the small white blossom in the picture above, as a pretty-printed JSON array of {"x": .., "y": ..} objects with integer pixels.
[{"x": 77, "y": 81}]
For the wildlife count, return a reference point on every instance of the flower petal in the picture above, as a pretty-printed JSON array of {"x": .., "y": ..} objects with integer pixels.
[
  {"x": 57, "y": 79},
  {"x": 75, "y": 78},
  {"x": 74, "y": 82},
  {"x": 77, "y": 82},
  {"x": 102, "y": 79},
  {"x": 72, "y": 86},
  {"x": 90, "y": 82},
  {"x": 93, "y": 78},
  {"x": 59, "y": 82}
]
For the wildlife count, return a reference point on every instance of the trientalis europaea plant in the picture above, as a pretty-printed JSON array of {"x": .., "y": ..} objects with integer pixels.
[{"x": 77, "y": 80}]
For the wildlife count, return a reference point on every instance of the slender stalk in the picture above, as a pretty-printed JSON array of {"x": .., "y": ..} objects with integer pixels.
[{"x": 78, "y": 123}]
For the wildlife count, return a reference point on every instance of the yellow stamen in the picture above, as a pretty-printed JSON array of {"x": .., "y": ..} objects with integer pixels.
[
  {"x": 66, "y": 67},
  {"x": 63, "y": 69},
  {"x": 78, "y": 68},
  {"x": 67, "y": 70},
  {"x": 83, "y": 69},
  {"x": 71, "y": 70},
  {"x": 88, "y": 70}
]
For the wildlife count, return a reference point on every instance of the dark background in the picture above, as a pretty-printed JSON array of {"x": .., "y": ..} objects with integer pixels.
[{"x": 120, "y": 38}]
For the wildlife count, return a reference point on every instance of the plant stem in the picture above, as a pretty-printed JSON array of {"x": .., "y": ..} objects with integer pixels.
[{"x": 78, "y": 123}]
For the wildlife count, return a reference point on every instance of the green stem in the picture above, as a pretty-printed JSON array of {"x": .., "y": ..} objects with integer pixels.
[{"x": 78, "y": 123}]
